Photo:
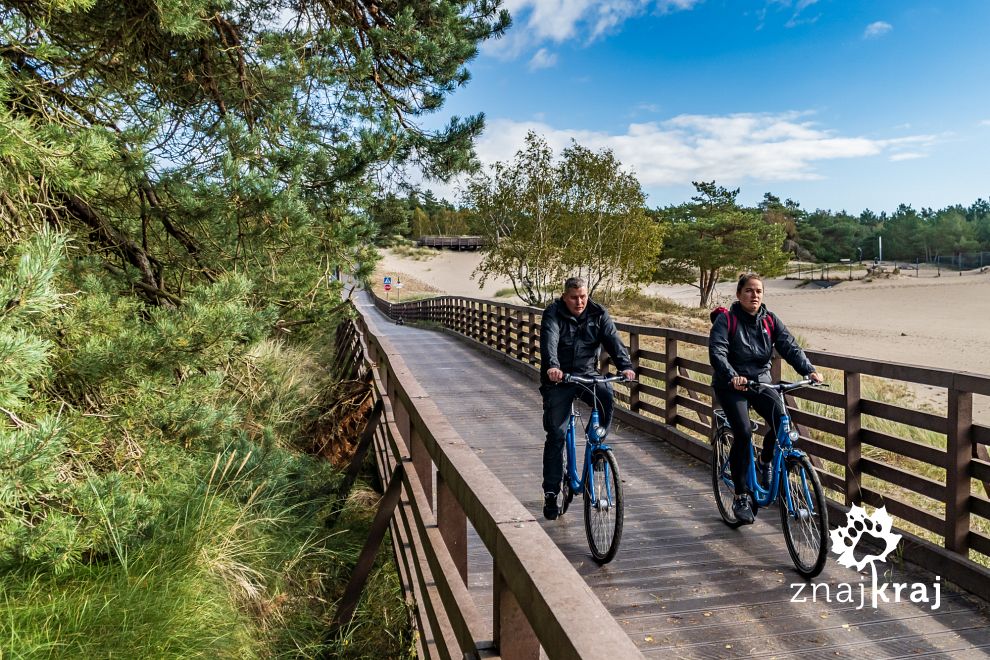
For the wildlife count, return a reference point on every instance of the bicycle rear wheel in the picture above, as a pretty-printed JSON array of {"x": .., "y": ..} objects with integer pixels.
[
  {"x": 603, "y": 517},
  {"x": 806, "y": 523},
  {"x": 722, "y": 477}
]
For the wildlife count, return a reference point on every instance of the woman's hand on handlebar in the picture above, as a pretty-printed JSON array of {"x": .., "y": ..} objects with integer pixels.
[
  {"x": 555, "y": 375},
  {"x": 740, "y": 383},
  {"x": 629, "y": 374},
  {"x": 815, "y": 376}
]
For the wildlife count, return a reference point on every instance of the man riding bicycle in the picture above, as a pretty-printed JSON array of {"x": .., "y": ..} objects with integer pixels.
[
  {"x": 740, "y": 347},
  {"x": 573, "y": 330}
]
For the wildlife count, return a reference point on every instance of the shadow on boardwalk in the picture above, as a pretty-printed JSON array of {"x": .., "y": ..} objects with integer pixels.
[{"x": 683, "y": 584}]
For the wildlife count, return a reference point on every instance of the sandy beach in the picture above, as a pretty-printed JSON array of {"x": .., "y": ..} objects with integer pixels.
[{"x": 939, "y": 322}]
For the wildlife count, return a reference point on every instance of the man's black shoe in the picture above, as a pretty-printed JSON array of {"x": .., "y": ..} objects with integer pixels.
[
  {"x": 550, "y": 510},
  {"x": 742, "y": 509}
]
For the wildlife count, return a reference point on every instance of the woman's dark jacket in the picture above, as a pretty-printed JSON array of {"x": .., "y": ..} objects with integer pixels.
[
  {"x": 749, "y": 350},
  {"x": 571, "y": 344}
]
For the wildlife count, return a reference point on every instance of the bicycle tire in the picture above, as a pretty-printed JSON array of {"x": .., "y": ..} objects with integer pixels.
[
  {"x": 721, "y": 477},
  {"x": 805, "y": 532},
  {"x": 603, "y": 523},
  {"x": 566, "y": 494}
]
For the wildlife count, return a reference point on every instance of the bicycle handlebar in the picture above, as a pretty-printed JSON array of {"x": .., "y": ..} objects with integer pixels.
[
  {"x": 785, "y": 387},
  {"x": 583, "y": 380}
]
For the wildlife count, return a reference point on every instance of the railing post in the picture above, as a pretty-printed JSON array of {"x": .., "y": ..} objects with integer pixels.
[
  {"x": 959, "y": 451},
  {"x": 634, "y": 356},
  {"x": 518, "y": 318},
  {"x": 533, "y": 333},
  {"x": 670, "y": 382},
  {"x": 514, "y": 637},
  {"x": 453, "y": 526},
  {"x": 854, "y": 445},
  {"x": 421, "y": 460}
]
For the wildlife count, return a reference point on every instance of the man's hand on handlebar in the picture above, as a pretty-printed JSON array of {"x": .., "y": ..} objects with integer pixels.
[
  {"x": 815, "y": 376},
  {"x": 555, "y": 375},
  {"x": 740, "y": 383},
  {"x": 629, "y": 374}
]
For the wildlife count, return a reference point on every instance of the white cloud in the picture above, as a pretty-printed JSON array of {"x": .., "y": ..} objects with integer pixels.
[
  {"x": 877, "y": 29},
  {"x": 731, "y": 149},
  {"x": 985, "y": 122},
  {"x": 540, "y": 21},
  {"x": 542, "y": 59}
]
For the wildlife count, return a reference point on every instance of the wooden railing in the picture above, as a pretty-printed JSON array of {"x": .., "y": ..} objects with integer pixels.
[
  {"x": 940, "y": 485},
  {"x": 538, "y": 598},
  {"x": 453, "y": 242}
]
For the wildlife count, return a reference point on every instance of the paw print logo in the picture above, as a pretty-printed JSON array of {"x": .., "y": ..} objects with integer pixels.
[{"x": 845, "y": 539}]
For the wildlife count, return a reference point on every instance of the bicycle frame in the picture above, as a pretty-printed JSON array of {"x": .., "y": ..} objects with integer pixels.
[
  {"x": 782, "y": 450},
  {"x": 593, "y": 442}
]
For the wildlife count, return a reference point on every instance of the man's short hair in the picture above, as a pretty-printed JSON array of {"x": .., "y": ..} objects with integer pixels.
[{"x": 575, "y": 283}]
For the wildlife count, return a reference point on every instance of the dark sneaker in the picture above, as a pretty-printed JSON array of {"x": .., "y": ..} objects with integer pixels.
[
  {"x": 742, "y": 509},
  {"x": 550, "y": 510}
]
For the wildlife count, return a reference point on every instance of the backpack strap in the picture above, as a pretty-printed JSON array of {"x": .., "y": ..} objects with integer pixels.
[
  {"x": 730, "y": 319},
  {"x": 769, "y": 325}
]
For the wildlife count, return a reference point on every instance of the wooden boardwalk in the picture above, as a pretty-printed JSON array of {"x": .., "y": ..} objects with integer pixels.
[{"x": 683, "y": 584}]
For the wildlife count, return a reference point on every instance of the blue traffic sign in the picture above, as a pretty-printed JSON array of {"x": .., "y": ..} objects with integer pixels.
[{"x": 388, "y": 280}]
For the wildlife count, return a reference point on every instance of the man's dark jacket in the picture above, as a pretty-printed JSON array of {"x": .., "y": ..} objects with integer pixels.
[
  {"x": 571, "y": 344},
  {"x": 749, "y": 350}
]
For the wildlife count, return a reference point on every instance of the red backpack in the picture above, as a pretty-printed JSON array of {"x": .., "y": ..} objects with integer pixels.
[{"x": 768, "y": 323}]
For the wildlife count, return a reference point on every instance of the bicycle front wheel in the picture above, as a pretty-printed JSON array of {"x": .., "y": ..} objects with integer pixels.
[
  {"x": 805, "y": 522},
  {"x": 722, "y": 477},
  {"x": 603, "y": 515}
]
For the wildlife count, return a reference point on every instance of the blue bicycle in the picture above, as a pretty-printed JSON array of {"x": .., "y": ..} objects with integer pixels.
[
  {"x": 599, "y": 480},
  {"x": 793, "y": 483}
]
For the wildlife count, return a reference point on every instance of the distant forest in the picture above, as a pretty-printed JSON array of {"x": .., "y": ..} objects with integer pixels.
[{"x": 820, "y": 235}]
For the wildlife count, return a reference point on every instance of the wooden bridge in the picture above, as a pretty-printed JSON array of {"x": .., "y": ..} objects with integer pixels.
[{"x": 460, "y": 444}]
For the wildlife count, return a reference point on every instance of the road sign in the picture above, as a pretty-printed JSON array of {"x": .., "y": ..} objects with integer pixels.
[
  {"x": 398, "y": 285},
  {"x": 388, "y": 279},
  {"x": 388, "y": 287}
]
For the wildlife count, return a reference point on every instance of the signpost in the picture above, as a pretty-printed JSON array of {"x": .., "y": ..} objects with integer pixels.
[{"x": 388, "y": 285}]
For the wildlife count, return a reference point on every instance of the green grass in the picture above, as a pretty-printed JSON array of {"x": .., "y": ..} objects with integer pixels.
[{"x": 507, "y": 292}]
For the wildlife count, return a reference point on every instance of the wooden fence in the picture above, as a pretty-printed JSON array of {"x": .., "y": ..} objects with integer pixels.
[
  {"x": 436, "y": 484},
  {"x": 936, "y": 484},
  {"x": 452, "y": 242}
]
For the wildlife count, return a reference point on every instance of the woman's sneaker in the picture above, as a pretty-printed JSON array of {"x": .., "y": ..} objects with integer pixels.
[
  {"x": 550, "y": 510},
  {"x": 742, "y": 509}
]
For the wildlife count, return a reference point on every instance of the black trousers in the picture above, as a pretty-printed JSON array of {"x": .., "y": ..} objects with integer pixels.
[
  {"x": 736, "y": 406},
  {"x": 557, "y": 401}
]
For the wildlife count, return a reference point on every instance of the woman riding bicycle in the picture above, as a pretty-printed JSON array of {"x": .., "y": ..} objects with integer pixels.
[{"x": 740, "y": 348}]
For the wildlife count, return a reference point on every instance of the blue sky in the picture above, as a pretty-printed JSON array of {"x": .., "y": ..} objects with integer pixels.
[{"x": 835, "y": 104}]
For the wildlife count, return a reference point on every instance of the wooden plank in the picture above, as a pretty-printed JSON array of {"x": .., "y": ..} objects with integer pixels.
[
  {"x": 694, "y": 365},
  {"x": 656, "y": 356},
  {"x": 907, "y": 511},
  {"x": 650, "y": 372},
  {"x": 819, "y": 423},
  {"x": 904, "y": 479},
  {"x": 904, "y": 447},
  {"x": 915, "y": 418},
  {"x": 821, "y": 450}
]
